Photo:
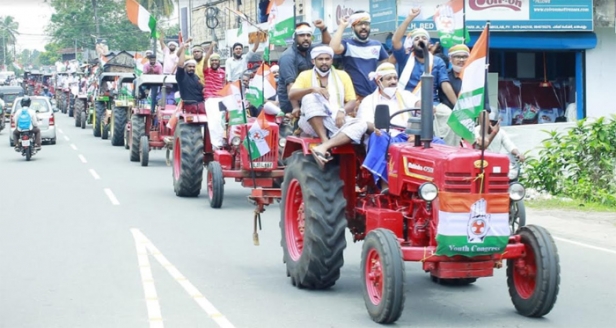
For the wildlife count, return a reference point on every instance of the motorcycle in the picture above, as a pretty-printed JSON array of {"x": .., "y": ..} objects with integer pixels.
[
  {"x": 517, "y": 210},
  {"x": 25, "y": 144}
]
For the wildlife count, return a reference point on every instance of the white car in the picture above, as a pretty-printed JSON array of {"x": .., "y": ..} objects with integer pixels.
[{"x": 46, "y": 116}]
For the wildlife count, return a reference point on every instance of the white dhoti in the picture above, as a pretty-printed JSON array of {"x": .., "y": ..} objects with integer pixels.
[
  {"x": 215, "y": 123},
  {"x": 312, "y": 107},
  {"x": 441, "y": 128}
]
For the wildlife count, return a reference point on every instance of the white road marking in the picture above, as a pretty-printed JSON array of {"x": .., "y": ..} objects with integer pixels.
[
  {"x": 208, "y": 307},
  {"x": 60, "y": 130},
  {"x": 584, "y": 245},
  {"x": 111, "y": 197},
  {"x": 151, "y": 297},
  {"x": 73, "y": 146},
  {"x": 83, "y": 159},
  {"x": 66, "y": 138},
  {"x": 94, "y": 174}
]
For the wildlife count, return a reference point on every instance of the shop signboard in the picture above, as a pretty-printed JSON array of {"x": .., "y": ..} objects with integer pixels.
[
  {"x": 331, "y": 11},
  {"x": 505, "y": 15}
]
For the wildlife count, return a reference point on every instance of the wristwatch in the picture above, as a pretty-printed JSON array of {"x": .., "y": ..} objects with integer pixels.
[{"x": 342, "y": 110}]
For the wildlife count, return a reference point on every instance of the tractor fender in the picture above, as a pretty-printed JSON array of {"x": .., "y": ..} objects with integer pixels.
[
  {"x": 223, "y": 157},
  {"x": 295, "y": 143}
]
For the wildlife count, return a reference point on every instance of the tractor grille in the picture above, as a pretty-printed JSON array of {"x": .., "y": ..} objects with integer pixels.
[
  {"x": 266, "y": 162},
  {"x": 469, "y": 183}
]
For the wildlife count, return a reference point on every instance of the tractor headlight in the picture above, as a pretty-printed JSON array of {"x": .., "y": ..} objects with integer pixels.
[
  {"x": 235, "y": 141},
  {"x": 516, "y": 192},
  {"x": 428, "y": 191},
  {"x": 513, "y": 172},
  {"x": 282, "y": 142}
]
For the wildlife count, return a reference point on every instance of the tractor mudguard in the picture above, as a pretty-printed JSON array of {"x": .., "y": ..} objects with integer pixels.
[
  {"x": 294, "y": 144},
  {"x": 223, "y": 157},
  {"x": 193, "y": 118}
]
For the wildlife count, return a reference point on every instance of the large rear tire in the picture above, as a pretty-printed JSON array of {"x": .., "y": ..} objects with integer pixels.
[
  {"x": 119, "y": 123},
  {"x": 382, "y": 271},
  {"x": 215, "y": 184},
  {"x": 534, "y": 279},
  {"x": 84, "y": 120},
  {"x": 99, "y": 109},
  {"x": 312, "y": 223},
  {"x": 144, "y": 150},
  {"x": 137, "y": 131},
  {"x": 78, "y": 110},
  {"x": 187, "y": 160}
]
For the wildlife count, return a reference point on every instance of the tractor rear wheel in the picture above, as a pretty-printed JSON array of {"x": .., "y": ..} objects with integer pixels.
[
  {"x": 119, "y": 123},
  {"x": 187, "y": 160},
  {"x": 312, "y": 223},
  {"x": 78, "y": 110},
  {"x": 84, "y": 120},
  {"x": 534, "y": 279},
  {"x": 382, "y": 271},
  {"x": 137, "y": 131},
  {"x": 144, "y": 150},
  {"x": 98, "y": 118},
  {"x": 71, "y": 105},
  {"x": 215, "y": 184}
]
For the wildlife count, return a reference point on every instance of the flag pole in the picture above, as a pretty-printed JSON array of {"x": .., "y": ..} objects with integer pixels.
[
  {"x": 486, "y": 106},
  {"x": 464, "y": 22}
]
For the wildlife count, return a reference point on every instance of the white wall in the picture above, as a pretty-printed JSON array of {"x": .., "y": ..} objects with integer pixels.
[{"x": 601, "y": 74}]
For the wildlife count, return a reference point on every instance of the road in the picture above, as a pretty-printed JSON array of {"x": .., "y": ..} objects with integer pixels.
[{"x": 89, "y": 239}]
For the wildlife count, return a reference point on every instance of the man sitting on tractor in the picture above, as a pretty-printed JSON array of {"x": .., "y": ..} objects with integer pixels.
[
  {"x": 496, "y": 140},
  {"x": 327, "y": 97},
  {"x": 387, "y": 93}
]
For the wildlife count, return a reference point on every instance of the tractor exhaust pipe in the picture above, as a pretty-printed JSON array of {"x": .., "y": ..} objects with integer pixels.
[{"x": 427, "y": 101}]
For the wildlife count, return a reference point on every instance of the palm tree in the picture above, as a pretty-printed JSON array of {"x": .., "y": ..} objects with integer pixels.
[
  {"x": 160, "y": 7},
  {"x": 8, "y": 32}
]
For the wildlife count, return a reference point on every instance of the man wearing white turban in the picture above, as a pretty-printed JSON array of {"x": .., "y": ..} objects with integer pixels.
[
  {"x": 170, "y": 58},
  {"x": 327, "y": 97},
  {"x": 412, "y": 65},
  {"x": 360, "y": 54}
]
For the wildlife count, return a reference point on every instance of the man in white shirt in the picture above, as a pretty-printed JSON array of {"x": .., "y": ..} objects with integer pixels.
[
  {"x": 170, "y": 58},
  {"x": 495, "y": 140},
  {"x": 25, "y": 106},
  {"x": 237, "y": 64}
]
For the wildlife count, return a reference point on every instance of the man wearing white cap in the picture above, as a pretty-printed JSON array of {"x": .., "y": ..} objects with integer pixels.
[
  {"x": 412, "y": 65},
  {"x": 295, "y": 60},
  {"x": 214, "y": 75},
  {"x": 327, "y": 97},
  {"x": 275, "y": 70},
  {"x": 191, "y": 88},
  {"x": 170, "y": 58},
  {"x": 360, "y": 54}
]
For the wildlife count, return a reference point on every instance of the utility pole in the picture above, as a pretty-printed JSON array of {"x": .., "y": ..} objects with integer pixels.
[{"x": 75, "y": 40}]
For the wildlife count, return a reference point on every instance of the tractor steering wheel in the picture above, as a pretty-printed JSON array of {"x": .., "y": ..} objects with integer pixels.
[{"x": 416, "y": 110}]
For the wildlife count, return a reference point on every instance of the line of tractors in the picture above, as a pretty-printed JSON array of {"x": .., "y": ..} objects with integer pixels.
[{"x": 318, "y": 205}]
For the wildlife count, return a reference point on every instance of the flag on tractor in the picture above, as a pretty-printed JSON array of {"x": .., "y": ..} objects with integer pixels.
[
  {"x": 232, "y": 99},
  {"x": 449, "y": 20},
  {"x": 472, "y": 224},
  {"x": 473, "y": 91},
  {"x": 259, "y": 137},
  {"x": 141, "y": 17},
  {"x": 262, "y": 87},
  {"x": 181, "y": 40},
  {"x": 140, "y": 61}
]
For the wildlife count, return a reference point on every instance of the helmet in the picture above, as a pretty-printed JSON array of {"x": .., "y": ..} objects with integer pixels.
[{"x": 25, "y": 101}]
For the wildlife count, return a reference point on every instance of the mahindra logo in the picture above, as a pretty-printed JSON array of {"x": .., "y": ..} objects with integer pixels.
[
  {"x": 341, "y": 12},
  {"x": 478, "y": 5}
]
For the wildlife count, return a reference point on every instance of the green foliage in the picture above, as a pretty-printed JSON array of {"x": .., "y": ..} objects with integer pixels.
[
  {"x": 50, "y": 55},
  {"x": 74, "y": 21},
  {"x": 8, "y": 33},
  {"x": 158, "y": 8},
  {"x": 578, "y": 164}
]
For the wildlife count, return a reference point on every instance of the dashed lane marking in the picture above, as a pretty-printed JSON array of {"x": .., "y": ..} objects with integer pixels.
[
  {"x": 111, "y": 197},
  {"x": 66, "y": 138},
  {"x": 73, "y": 146},
  {"x": 60, "y": 130},
  {"x": 584, "y": 245},
  {"x": 83, "y": 159},
  {"x": 203, "y": 302},
  {"x": 94, "y": 174}
]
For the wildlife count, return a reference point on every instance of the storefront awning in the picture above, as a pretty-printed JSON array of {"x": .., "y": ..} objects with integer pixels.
[{"x": 540, "y": 41}]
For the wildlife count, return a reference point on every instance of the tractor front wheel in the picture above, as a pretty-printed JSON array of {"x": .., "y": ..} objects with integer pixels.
[
  {"x": 99, "y": 111},
  {"x": 187, "y": 160},
  {"x": 84, "y": 120},
  {"x": 382, "y": 271},
  {"x": 517, "y": 215},
  {"x": 534, "y": 279},
  {"x": 144, "y": 152},
  {"x": 312, "y": 223},
  {"x": 215, "y": 184},
  {"x": 119, "y": 124},
  {"x": 78, "y": 110},
  {"x": 137, "y": 131}
]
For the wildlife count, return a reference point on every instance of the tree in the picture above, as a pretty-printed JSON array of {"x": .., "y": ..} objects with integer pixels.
[
  {"x": 8, "y": 32},
  {"x": 158, "y": 8},
  {"x": 51, "y": 54},
  {"x": 75, "y": 22}
]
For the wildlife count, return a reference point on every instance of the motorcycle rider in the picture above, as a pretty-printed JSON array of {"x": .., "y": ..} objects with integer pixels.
[
  {"x": 25, "y": 106},
  {"x": 46, "y": 92},
  {"x": 496, "y": 140}
]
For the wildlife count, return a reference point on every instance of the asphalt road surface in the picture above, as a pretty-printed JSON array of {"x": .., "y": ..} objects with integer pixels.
[{"x": 89, "y": 239}]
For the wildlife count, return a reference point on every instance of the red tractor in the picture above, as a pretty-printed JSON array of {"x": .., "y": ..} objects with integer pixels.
[
  {"x": 147, "y": 128},
  {"x": 445, "y": 207},
  {"x": 233, "y": 161}
]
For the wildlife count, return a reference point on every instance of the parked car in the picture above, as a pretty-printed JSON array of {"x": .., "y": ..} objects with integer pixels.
[
  {"x": 46, "y": 115},
  {"x": 10, "y": 93}
]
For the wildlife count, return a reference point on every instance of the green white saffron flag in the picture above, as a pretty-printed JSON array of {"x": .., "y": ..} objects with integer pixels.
[
  {"x": 259, "y": 137},
  {"x": 231, "y": 98},
  {"x": 262, "y": 87},
  {"x": 449, "y": 20},
  {"x": 282, "y": 22}
]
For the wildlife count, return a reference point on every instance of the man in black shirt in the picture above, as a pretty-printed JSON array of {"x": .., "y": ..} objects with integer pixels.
[{"x": 191, "y": 89}]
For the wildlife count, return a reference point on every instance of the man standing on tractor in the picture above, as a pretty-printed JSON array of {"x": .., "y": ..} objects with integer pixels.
[
  {"x": 360, "y": 54},
  {"x": 214, "y": 75},
  {"x": 170, "y": 58},
  {"x": 295, "y": 60},
  {"x": 197, "y": 56},
  {"x": 152, "y": 66},
  {"x": 237, "y": 64},
  {"x": 191, "y": 88},
  {"x": 328, "y": 98}
]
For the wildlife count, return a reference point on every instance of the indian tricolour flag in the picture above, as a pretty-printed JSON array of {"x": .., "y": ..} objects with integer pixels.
[
  {"x": 141, "y": 17},
  {"x": 262, "y": 87},
  {"x": 232, "y": 99},
  {"x": 449, "y": 20},
  {"x": 140, "y": 61},
  {"x": 472, "y": 93},
  {"x": 472, "y": 224},
  {"x": 259, "y": 137}
]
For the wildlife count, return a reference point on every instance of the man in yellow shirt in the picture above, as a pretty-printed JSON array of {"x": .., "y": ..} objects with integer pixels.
[
  {"x": 197, "y": 55},
  {"x": 327, "y": 98}
]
